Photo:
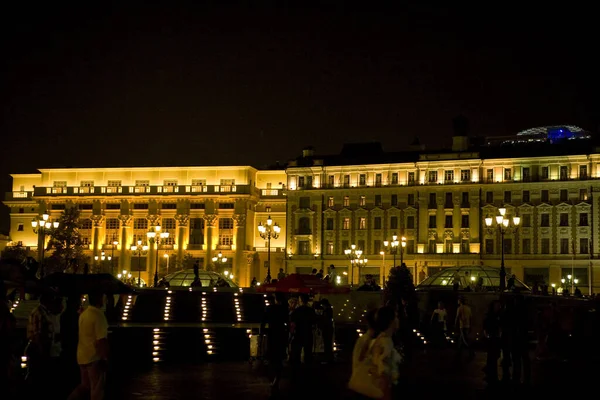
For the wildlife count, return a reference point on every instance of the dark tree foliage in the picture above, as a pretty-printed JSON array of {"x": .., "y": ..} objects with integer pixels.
[
  {"x": 399, "y": 285},
  {"x": 66, "y": 244}
]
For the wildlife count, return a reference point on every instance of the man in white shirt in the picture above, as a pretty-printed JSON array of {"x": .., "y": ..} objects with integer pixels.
[
  {"x": 92, "y": 350},
  {"x": 463, "y": 322}
]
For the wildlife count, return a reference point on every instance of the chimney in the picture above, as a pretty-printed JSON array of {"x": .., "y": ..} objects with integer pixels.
[
  {"x": 308, "y": 152},
  {"x": 460, "y": 137}
]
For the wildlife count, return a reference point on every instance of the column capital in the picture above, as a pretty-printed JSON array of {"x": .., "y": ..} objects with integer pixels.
[
  {"x": 240, "y": 220},
  {"x": 153, "y": 219},
  {"x": 182, "y": 219},
  {"x": 125, "y": 219},
  {"x": 210, "y": 219},
  {"x": 98, "y": 220}
]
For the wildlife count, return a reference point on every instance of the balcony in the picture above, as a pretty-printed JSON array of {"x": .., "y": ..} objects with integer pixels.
[
  {"x": 135, "y": 190},
  {"x": 271, "y": 193},
  {"x": 18, "y": 196},
  {"x": 223, "y": 247},
  {"x": 194, "y": 247}
]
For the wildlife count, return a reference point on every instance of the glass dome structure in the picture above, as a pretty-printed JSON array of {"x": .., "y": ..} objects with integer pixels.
[
  {"x": 467, "y": 276},
  {"x": 185, "y": 278}
]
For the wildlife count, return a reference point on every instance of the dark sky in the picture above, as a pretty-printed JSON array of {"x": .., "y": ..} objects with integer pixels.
[{"x": 216, "y": 84}]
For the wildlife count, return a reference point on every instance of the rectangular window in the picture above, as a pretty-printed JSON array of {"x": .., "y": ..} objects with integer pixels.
[
  {"x": 394, "y": 178},
  {"x": 433, "y": 176},
  {"x": 545, "y": 196},
  {"x": 112, "y": 223},
  {"x": 545, "y": 246},
  {"x": 346, "y": 224},
  {"x": 464, "y": 221},
  {"x": 448, "y": 246},
  {"x": 490, "y": 175},
  {"x": 489, "y": 197},
  {"x": 139, "y": 223},
  {"x": 170, "y": 182},
  {"x": 377, "y": 224},
  {"x": 226, "y": 206},
  {"x": 114, "y": 183},
  {"x": 507, "y": 246},
  {"x": 448, "y": 221},
  {"x": 362, "y": 223},
  {"x": 361, "y": 245},
  {"x": 329, "y": 248},
  {"x": 448, "y": 176},
  {"x": 432, "y": 200},
  {"x": 448, "y": 202},
  {"x": 225, "y": 223},
  {"x": 169, "y": 224},
  {"x": 59, "y": 184},
  {"x": 303, "y": 247},
  {"x": 378, "y": 200},
  {"x": 301, "y": 182},
  {"x": 198, "y": 182},
  {"x": 331, "y": 181},
  {"x": 432, "y": 222},
  {"x": 410, "y": 222},
  {"x": 564, "y": 246},
  {"x": 394, "y": 200},
  {"x": 330, "y": 202},
  {"x": 377, "y": 180},
  {"x": 362, "y": 201},
  {"x": 431, "y": 248},
  {"x": 85, "y": 206},
  {"x": 142, "y": 183},
  {"x": 225, "y": 238},
  {"x": 411, "y": 178},
  {"x": 362, "y": 179},
  {"x": 411, "y": 199},
  {"x": 169, "y": 206},
  {"x": 584, "y": 246},
  {"x": 564, "y": 219},
  {"x": 113, "y": 206},
  {"x": 564, "y": 195},
  {"x": 507, "y": 174},
  {"x": 410, "y": 246},
  {"x": 465, "y": 175},
  {"x": 346, "y": 180},
  {"x": 526, "y": 246},
  {"x": 376, "y": 246},
  {"x": 53, "y": 206},
  {"x": 526, "y": 220},
  {"x": 329, "y": 224},
  {"x": 526, "y": 174},
  {"x": 564, "y": 173},
  {"x": 87, "y": 184},
  {"x": 346, "y": 201},
  {"x": 309, "y": 181},
  {"x": 21, "y": 228},
  {"x": 526, "y": 196},
  {"x": 545, "y": 174},
  {"x": 583, "y": 219},
  {"x": 464, "y": 246},
  {"x": 583, "y": 196},
  {"x": 583, "y": 172},
  {"x": 545, "y": 220},
  {"x": 507, "y": 196},
  {"x": 197, "y": 206},
  {"x": 345, "y": 245},
  {"x": 464, "y": 201},
  {"x": 489, "y": 246}
]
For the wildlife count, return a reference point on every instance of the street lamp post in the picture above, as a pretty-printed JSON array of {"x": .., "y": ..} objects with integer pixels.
[
  {"x": 392, "y": 246},
  {"x": 139, "y": 249},
  {"x": 570, "y": 280},
  {"x": 402, "y": 246},
  {"x": 115, "y": 243},
  {"x": 40, "y": 225},
  {"x": 102, "y": 258},
  {"x": 220, "y": 260},
  {"x": 269, "y": 231},
  {"x": 156, "y": 236},
  {"x": 167, "y": 257},
  {"x": 354, "y": 255},
  {"x": 504, "y": 225}
]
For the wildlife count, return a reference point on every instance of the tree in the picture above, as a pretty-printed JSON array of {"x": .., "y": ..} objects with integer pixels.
[
  {"x": 17, "y": 253},
  {"x": 66, "y": 243},
  {"x": 400, "y": 285}
]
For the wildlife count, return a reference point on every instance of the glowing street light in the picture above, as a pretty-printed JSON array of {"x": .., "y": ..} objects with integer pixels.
[{"x": 504, "y": 225}]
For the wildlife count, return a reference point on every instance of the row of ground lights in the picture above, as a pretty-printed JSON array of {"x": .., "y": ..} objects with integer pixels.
[
  {"x": 204, "y": 307},
  {"x": 238, "y": 310},
  {"x": 167, "y": 314},
  {"x": 126, "y": 309},
  {"x": 14, "y": 305},
  {"x": 208, "y": 340},
  {"x": 157, "y": 344}
]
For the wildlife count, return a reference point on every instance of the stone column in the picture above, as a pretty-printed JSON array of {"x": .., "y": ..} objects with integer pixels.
[
  {"x": 182, "y": 223},
  {"x": 210, "y": 225},
  {"x": 151, "y": 257},
  {"x": 240, "y": 263},
  {"x": 124, "y": 241},
  {"x": 98, "y": 220}
]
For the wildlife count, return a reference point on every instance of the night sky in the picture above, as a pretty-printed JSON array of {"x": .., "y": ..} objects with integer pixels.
[{"x": 216, "y": 84}]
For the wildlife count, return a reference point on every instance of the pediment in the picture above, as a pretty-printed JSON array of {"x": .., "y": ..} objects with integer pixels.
[
  {"x": 329, "y": 211},
  {"x": 583, "y": 206},
  {"x": 377, "y": 210},
  {"x": 544, "y": 207},
  {"x": 345, "y": 211},
  {"x": 526, "y": 207},
  {"x": 563, "y": 207}
]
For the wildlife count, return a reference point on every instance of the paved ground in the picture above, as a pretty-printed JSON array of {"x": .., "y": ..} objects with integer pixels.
[{"x": 429, "y": 376}]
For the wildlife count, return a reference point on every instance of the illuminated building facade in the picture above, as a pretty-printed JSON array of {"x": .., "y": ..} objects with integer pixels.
[
  {"x": 439, "y": 201},
  {"x": 206, "y": 210}
]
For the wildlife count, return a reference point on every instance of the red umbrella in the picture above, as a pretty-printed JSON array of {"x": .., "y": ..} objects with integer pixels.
[{"x": 298, "y": 283}]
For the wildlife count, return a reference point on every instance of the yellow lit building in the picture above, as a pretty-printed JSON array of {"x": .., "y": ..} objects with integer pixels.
[
  {"x": 206, "y": 210},
  {"x": 439, "y": 202}
]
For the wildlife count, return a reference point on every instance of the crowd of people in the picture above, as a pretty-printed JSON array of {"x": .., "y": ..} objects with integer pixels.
[{"x": 295, "y": 329}]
